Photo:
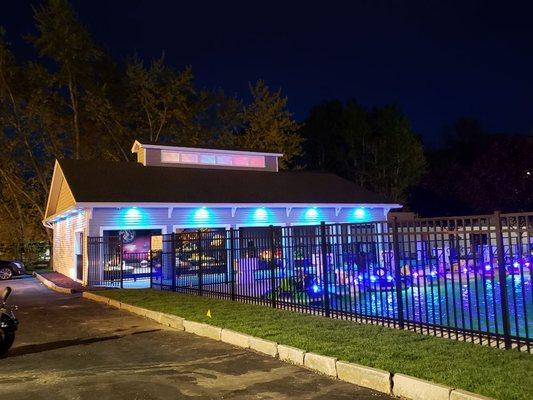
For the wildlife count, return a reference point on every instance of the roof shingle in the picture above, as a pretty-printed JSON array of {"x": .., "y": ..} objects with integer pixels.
[{"x": 129, "y": 182}]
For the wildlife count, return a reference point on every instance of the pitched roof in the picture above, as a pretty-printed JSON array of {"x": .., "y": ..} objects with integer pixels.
[
  {"x": 206, "y": 148},
  {"x": 129, "y": 182}
]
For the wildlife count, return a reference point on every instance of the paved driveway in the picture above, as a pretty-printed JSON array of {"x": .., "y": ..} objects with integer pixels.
[{"x": 71, "y": 348}]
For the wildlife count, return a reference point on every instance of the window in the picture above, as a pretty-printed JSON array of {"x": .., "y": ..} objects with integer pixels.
[
  {"x": 233, "y": 160},
  {"x": 170, "y": 156}
]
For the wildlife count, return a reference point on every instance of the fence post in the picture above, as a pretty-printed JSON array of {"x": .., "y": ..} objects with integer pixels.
[
  {"x": 324, "y": 262},
  {"x": 151, "y": 255},
  {"x": 232, "y": 261},
  {"x": 502, "y": 279},
  {"x": 173, "y": 261},
  {"x": 199, "y": 262},
  {"x": 121, "y": 260},
  {"x": 397, "y": 271},
  {"x": 272, "y": 267}
]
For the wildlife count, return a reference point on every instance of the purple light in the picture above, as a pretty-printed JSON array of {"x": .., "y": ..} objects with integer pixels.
[
  {"x": 415, "y": 275},
  {"x": 488, "y": 267},
  {"x": 516, "y": 264},
  {"x": 465, "y": 270}
]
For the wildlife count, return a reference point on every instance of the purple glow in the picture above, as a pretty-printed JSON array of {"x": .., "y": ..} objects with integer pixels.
[{"x": 488, "y": 267}]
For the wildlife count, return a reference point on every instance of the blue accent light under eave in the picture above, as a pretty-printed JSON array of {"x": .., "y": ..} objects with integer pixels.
[
  {"x": 260, "y": 215},
  {"x": 311, "y": 214},
  {"x": 133, "y": 215},
  {"x": 360, "y": 214},
  {"x": 201, "y": 215}
]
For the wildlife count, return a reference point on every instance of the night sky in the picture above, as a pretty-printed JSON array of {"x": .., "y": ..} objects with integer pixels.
[{"x": 439, "y": 60}]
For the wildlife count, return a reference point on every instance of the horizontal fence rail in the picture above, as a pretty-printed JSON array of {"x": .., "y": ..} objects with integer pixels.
[{"x": 466, "y": 278}]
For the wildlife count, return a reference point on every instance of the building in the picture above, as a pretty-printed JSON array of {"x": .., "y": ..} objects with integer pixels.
[{"x": 175, "y": 189}]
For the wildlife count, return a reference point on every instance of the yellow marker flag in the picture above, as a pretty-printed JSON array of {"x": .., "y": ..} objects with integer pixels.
[{"x": 209, "y": 313}]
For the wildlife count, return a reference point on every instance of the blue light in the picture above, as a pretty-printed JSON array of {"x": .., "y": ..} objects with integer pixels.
[
  {"x": 359, "y": 213},
  {"x": 373, "y": 278},
  {"x": 311, "y": 213},
  {"x": 132, "y": 214},
  {"x": 389, "y": 278},
  {"x": 260, "y": 214},
  {"x": 316, "y": 289},
  {"x": 201, "y": 214}
]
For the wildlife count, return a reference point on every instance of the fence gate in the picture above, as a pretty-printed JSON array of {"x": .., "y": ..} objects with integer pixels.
[{"x": 111, "y": 264}]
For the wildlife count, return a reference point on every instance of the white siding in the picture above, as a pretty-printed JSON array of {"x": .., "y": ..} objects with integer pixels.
[
  {"x": 143, "y": 218},
  {"x": 64, "y": 240}
]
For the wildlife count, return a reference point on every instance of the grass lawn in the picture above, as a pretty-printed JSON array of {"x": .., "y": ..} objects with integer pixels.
[{"x": 492, "y": 372}]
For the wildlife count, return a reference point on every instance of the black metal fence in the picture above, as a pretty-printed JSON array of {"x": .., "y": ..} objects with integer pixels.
[
  {"x": 110, "y": 265},
  {"x": 465, "y": 278}
]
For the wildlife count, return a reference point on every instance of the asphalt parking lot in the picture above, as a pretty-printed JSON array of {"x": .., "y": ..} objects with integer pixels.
[{"x": 71, "y": 348}]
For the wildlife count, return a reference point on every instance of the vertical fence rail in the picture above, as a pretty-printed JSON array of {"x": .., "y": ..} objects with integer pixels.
[
  {"x": 502, "y": 278},
  {"x": 397, "y": 273},
  {"x": 324, "y": 268},
  {"x": 465, "y": 278}
]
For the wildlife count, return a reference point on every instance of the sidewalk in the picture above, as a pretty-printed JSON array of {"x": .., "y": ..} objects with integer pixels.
[{"x": 58, "y": 281}]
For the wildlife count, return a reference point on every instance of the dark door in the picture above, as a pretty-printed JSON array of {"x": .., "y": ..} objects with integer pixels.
[{"x": 79, "y": 255}]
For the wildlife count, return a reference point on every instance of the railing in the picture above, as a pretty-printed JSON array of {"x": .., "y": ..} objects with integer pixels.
[
  {"x": 466, "y": 278},
  {"x": 110, "y": 265}
]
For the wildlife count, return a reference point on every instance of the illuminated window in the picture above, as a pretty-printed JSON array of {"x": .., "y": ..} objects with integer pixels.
[
  {"x": 170, "y": 156},
  {"x": 257, "y": 162},
  {"x": 207, "y": 159},
  {"x": 224, "y": 160},
  {"x": 235, "y": 160},
  {"x": 189, "y": 158},
  {"x": 241, "y": 161}
]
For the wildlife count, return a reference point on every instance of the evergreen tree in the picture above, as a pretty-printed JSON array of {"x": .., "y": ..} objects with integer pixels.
[
  {"x": 63, "y": 39},
  {"x": 269, "y": 125}
]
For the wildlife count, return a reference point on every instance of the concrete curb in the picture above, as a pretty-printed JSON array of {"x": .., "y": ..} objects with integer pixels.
[
  {"x": 264, "y": 346},
  {"x": 291, "y": 354},
  {"x": 235, "y": 338},
  {"x": 372, "y": 378},
  {"x": 323, "y": 364},
  {"x": 205, "y": 330},
  {"x": 399, "y": 385},
  {"x": 458, "y": 394},
  {"x": 418, "y": 389},
  {"x": 51, "y": 285}
]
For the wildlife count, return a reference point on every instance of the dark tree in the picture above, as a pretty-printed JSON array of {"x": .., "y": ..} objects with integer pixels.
[{"x": 376, "y": 149}]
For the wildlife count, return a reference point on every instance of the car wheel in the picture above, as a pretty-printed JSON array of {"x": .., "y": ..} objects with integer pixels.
[{"x": 5, "y": 273}]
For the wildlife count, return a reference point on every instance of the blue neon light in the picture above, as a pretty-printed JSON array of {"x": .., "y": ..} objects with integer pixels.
[
  {"x": 201, "y": 214},
  {"x": 311, "y": 213},
  {"x": 359, "y": 213},
  {"x": 260, "y": 214},
  {"x": 132, "y": 215}
]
